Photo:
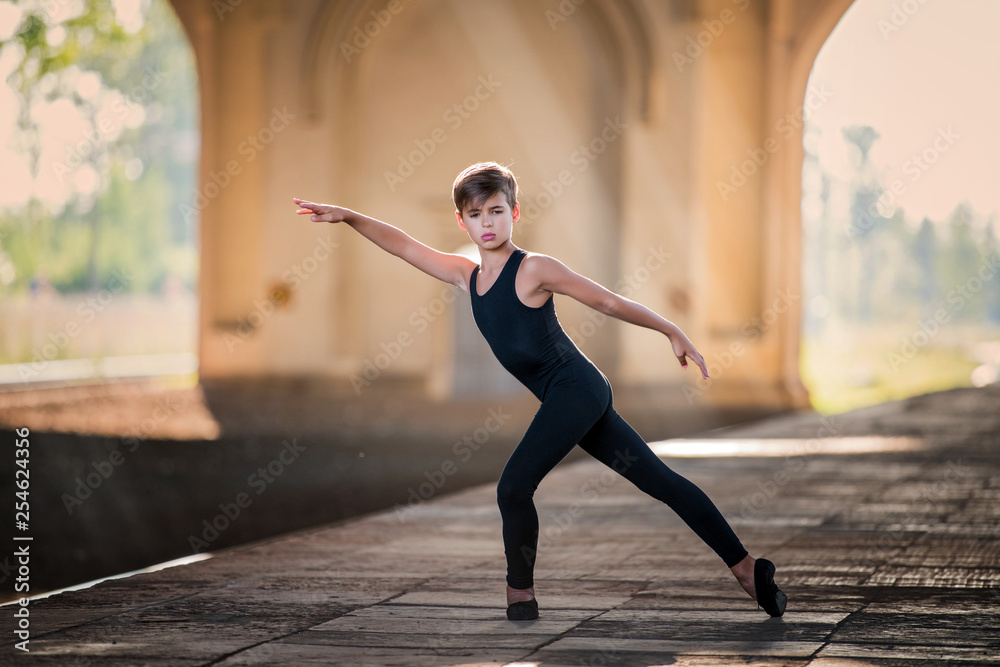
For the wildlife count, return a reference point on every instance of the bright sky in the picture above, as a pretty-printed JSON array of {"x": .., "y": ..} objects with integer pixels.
[{"x": 939, "y": 70}]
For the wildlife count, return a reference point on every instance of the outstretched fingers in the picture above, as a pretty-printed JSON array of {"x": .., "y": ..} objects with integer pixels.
[{"x": 310, "y": 208}]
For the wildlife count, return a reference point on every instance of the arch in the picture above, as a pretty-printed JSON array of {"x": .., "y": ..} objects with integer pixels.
[
  {"x": 804, "y": 39},
  {"x": 621, "y": 24},
  {"x": 334, "y": 77},
  {"x": 812, "y": 37}
]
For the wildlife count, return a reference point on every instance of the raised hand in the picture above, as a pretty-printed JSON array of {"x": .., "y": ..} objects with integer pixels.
[{"x": 321, "y": 212}]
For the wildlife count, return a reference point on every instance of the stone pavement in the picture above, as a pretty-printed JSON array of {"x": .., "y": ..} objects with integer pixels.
[{"x": 883, "y": 524}]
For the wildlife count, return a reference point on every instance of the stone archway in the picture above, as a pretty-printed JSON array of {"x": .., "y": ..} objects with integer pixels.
[
  {"x": 541, "y": 98},
  {"x": 790, "y": 69},
  {"x": 658, "y": 184}
]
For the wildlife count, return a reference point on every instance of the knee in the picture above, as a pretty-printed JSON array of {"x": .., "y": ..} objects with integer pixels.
[{"x": 512, "y": 492}]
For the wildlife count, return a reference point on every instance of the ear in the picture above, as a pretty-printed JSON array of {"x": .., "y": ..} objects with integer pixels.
[
  {"x": 516, "y": 213},
  {"x": 461, "y": 224}
]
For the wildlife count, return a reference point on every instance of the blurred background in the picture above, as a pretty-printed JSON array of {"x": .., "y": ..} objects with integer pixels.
[{"x": 808, "y": 189}]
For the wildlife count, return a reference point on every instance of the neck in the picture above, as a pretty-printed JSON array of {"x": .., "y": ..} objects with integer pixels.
[{"x": 494, "y": 258}]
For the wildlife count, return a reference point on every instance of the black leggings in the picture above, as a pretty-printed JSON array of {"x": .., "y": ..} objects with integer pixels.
[{"x": 578, "y": 412}]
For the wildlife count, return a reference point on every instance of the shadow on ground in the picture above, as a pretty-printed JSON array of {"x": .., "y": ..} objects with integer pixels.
[{"x": 129, "y": 474}]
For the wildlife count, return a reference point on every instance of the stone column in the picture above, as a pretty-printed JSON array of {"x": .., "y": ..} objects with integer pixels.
[{"x": 237, "y": 123}]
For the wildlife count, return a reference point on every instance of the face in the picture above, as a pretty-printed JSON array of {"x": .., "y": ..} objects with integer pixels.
[{"x": 490, "y": 222}]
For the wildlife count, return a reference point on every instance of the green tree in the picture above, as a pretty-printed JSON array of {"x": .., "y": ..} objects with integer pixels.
[
  {"x": 959, "y": 259},
  {"x": 864, "y": 214},
  {"x": 991, "y": 249},
  {"x": 925, "y": 251},
  {"x": 142, "y": 142}
]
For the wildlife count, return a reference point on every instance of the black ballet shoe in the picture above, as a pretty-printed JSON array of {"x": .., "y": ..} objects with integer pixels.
[
  {"x": 769, "y": 596},
  {"x": 525, "y": 610}
]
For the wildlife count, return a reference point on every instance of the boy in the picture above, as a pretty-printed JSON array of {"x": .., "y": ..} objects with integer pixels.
[{"x": 511, "y": 292}]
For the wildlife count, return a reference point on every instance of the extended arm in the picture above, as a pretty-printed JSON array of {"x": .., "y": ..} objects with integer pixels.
[
  {"x": 447, "y": 267},
  {"x": 554, "y": 276}
]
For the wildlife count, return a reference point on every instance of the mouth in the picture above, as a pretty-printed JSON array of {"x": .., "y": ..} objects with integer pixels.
[{"x": 489, "y": 236}]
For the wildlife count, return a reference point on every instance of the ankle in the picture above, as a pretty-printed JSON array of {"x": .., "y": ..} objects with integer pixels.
[
  {"x": 744, "y": 569},
  {"x": 520, "y": 594},
  {"x": 744, "y": 573}
]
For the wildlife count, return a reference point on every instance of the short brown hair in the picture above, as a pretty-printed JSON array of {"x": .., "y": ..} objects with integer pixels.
[{"x": 480, "y": 182}]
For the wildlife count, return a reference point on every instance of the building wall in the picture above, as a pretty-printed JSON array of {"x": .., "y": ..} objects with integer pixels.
[{"x": 621, "y": 119}]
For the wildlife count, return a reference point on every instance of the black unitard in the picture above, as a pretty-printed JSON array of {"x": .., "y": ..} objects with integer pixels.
[{"x": 576, "y": 409}]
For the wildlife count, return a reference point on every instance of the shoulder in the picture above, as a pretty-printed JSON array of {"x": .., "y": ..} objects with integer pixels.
[
  {"x": 545, "y": 272},
  {"x": 536, "y": 262}
]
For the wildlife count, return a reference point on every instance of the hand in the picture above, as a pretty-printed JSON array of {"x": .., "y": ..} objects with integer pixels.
[
  {"x": 321, "y": 212},
  {"x": 684, "y": 350}
]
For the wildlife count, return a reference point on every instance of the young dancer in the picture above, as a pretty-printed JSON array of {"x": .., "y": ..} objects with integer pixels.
[{"x": 511, "y": 292}]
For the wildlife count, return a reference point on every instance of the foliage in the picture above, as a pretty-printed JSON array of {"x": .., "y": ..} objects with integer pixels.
[
  {"x": 904, "y": 301},
  {"x": 142, "y": 144}
]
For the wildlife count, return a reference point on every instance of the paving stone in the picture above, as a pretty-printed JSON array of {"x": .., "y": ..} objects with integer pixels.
[
  {"x": 945, "y": 577},
  {"x": 515, "y": 638},
  {"x": 925, "y": 629},
  {"x": 627, "y": 645},
  {"x": 889, "y": 558},
  {"x": 886, "y": 662},
  {"x": 579, "y": 602},
  {"x": 935, "y": 655},
  {"x": 407, "y": 611},
  {"x": 78, "y": 659},
  {"x": 442, "y": 626},
  {"x": 283, "y": 654}
]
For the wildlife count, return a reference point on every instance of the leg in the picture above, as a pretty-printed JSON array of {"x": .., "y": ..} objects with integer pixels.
[
  {"x": 615, "y": 443},
  {"x": 563, "y": 418}
]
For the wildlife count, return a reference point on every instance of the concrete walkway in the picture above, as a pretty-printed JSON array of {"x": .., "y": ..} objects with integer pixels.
[{"x": 883, "y": 523}]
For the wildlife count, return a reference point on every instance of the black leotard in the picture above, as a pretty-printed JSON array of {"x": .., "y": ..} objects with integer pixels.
[
  {"x": 529, "y": 342},
  {"x": 577, "y": 408}
]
